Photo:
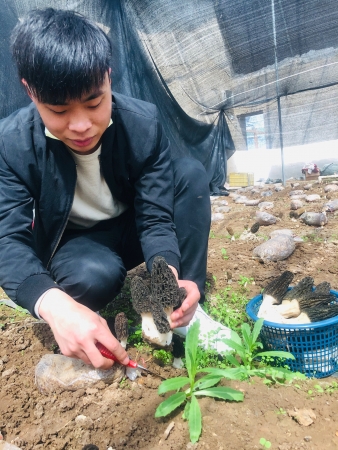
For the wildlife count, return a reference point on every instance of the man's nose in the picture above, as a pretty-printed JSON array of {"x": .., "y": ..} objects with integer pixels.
[{"x": 79, "y": 124}]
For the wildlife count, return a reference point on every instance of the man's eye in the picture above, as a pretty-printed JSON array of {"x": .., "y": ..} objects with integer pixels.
[
  {"x": 95, "y": 106},
  {"x": 58, "y": 112}
]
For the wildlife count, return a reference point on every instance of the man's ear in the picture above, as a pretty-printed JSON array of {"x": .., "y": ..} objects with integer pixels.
[
  {"x": 29, "y": 92},
  {"x": 109, "y": 74}
]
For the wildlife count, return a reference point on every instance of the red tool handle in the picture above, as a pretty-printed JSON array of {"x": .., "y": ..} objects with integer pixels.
[{"x": 108, "y": 354}]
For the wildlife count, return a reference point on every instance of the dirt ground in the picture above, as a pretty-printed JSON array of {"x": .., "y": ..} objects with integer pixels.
[{"x": 121, "y": 416}]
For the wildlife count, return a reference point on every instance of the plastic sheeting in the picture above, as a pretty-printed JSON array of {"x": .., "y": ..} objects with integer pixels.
[{"x": 211, "y": 65}]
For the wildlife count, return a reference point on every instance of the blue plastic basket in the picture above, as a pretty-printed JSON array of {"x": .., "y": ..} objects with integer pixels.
[{"x": 314, "y": 346}]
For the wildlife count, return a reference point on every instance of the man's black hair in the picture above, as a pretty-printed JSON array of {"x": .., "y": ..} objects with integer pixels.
[{"x": 61, "y": 54}]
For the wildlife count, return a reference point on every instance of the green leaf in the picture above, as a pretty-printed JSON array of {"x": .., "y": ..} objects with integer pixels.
[
  {"x": 191, "y": 344},
  {"x": 222, "y": 392},
  {"x": 185, "y": 414},
  {"x": 246, "y": 333},
  {"x": 236, "y": 346},
  {"x": 189, "y": 363},
  {"x": 276, "y": 354},
  {"x": 170, "y": 404},
  {"x": 236, "y": 338},
  {"x": 257, "y": 329},
  {"x": 265, "y": 443},
  {"x": 195, "y": 420},
  {"x": 173, "y": 384},
  {"x": 232, "y": 374},
  {"x": 233, "y": 360},
  {"x": 208, "y": 381}
]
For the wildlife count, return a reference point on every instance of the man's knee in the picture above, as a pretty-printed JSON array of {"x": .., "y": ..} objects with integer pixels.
[
  {"x": 189, "y": 173},
  {"x": 95, "y": 283}
]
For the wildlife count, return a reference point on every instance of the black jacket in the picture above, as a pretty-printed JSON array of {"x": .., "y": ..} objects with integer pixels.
[{"x": 38, "y": 172}]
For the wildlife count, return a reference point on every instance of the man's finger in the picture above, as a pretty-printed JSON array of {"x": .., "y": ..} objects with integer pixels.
[
  {"x": 115, "y": 347},
  {"x": 97, "y": 360}
]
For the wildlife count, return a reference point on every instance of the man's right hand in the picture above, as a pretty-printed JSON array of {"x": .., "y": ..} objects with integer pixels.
[{"x": 77, "y": 329}]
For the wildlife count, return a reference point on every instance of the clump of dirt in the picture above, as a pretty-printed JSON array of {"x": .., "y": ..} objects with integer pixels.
[{"x": 121, "y": 416}]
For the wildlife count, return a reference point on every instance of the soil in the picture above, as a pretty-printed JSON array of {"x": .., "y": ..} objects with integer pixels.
[{"x": 121, "y": 416}]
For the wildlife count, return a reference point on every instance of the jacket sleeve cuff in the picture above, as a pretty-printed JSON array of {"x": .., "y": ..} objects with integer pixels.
[
  {"x": 171, "y": 258},
  {"x": 31, "y": 290}
]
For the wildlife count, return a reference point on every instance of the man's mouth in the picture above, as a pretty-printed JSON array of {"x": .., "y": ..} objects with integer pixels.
[{"x": 82, "y": 142}]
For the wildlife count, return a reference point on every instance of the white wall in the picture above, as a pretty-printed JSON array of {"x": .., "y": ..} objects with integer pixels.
[{"x": 267, "y": 163}]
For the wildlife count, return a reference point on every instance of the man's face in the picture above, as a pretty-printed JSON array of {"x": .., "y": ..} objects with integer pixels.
[{"x": 79, "y": 123}]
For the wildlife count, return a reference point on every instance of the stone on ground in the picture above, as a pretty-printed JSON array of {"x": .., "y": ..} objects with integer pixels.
[{"x": 57, "y": 373}]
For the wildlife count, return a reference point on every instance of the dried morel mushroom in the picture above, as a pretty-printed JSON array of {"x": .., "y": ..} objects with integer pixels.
[
  {"x": 274, "y": 292},
  {"x": 254, "y": 228},
  {"x": 121, "y": 328},
  {"x": 157, "y": 304},
  {"x": 299, "y": 305},
  {"x": 230, "y": 230},
  {"x": 302, "y": 297}
]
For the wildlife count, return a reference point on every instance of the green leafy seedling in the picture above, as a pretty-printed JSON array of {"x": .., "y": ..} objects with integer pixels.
[
  {"x": 224, "y": 254},
  {"x": 204, "y": 386},
  {"x": 244, "y": 281},
  {"x": 319, "y": 389},
  {"x": 163, "y": 357},
  {"x": 265, "y": 443},
  {"x": 247, "y": 352}
]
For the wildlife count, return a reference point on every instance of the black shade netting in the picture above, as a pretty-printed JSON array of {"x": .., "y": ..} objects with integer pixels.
[{"x": 208, "y": 65}]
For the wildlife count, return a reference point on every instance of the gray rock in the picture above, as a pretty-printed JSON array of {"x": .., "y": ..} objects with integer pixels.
[
  {"x": 297, "y": 197},
  {"x": 265, "y": 205},
  {"x": 307, "y": 187},
  {"x": 312, "y": 198},
  {"x": 217, "y": 216},
  {"x": 275, "y": 249},
  {"x": 296, "y": 192},
  {"x": 313, "y": 218},
  {"x": 57, "y": 373},
  {"x": 279, "y": 188},
  {"x": 331, "y": 188},
  {"x": 252, "y": 202},
  {"x": 241, "y": 199},
  {"x": 84, "y": 422},
  {"x": 284, "y": 232},
  {"x": 266, "y": 193},
  {"x": 234, "y": 195},
  {"x": 332, "y": 205},
  {"x": 255, "y": 191},
  {"x": 264, "y": 218},
  {"x": 222, "y": 209},
  {"x": 296, "y": 204},
  {"x": 220, "y": 203}
]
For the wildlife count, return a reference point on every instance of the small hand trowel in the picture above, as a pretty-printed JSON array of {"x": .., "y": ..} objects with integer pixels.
[{"x": 133, "y": 364}]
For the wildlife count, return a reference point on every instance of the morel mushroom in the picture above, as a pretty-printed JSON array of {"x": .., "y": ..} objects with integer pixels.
[
  {"x": 157, "y": 304},
  {"x": 273, "y": 293},
  {"x": 121, "y": 328},
  {"x": 299, "y": 305},
  {"x": 302, "y": 297},
  {"x": 323, "y": 288},
  {"x": 255, "y": 228}
]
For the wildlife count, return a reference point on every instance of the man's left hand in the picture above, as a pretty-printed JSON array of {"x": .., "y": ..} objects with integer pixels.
[{"x": 182, "y": 316}]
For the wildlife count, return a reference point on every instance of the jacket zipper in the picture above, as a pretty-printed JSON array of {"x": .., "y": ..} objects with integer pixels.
[{"x": 64, "y": 226}]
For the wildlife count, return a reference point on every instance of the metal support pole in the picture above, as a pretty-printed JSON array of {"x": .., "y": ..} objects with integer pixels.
[{"x": 277, "y": 90}]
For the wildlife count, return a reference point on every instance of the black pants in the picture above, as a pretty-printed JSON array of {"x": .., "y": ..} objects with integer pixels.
[{"x": 91, "y": 265}]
